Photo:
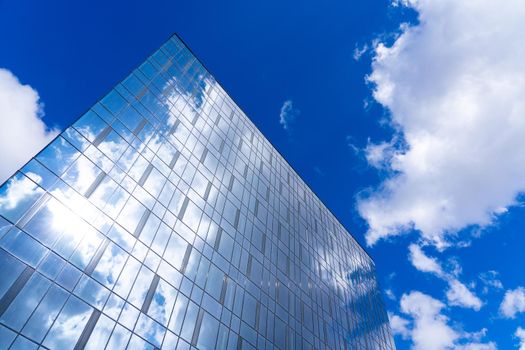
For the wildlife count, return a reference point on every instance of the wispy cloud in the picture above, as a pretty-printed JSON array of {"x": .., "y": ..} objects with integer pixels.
[
  {"x": 22, "y": 131},
  {"x": 458, "y": 294},
  {"x": 490, "y": 281},
  {"x": 360, "y": 51},
  {"x": 455, "y": 93},
  {"x": 288, "y": 114}
]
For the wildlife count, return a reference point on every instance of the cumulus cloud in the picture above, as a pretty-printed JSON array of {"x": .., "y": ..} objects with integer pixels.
[
  {"x": 520, "y": 334},
  {"x": 454, "y": 86},
  {"x": 288, "y": 114},
  {"x": 430, "y": 329},
  {"x": 22, "y": 131},
  {"x": 513, "y": 302}
]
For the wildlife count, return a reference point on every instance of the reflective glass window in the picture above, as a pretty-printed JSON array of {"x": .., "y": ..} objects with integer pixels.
[
  {"x": 90, "y": 125},
  {"x": 92, "y": 292},
  {"x": 58, "y": 156},
  {"x": 23, "y": 247},
  {"x": 175, "y": 250},
  {"x": 162, "y": 303},
  {"x": 150, "y": 330},
  {"x": 127, "y": 277},
  {"x": 46, "y": 313},
  {"x": 208, "y": 333},
  {"x": 69, "y": 325},
  {"x": 6, "y": 337},
  {"x": 141, "y": 287},
  {"x": 110, "y": 265},
  {"x": 25, "y": 302},
  {"x": 101, "y": 333},
  {"x": 17, "y": 195},
  {"x": 119, "y": 338},
  {"x": 11, "y": 269},
  {"x": 22, "y": 343},
  {"x": 131, "y": 215}
]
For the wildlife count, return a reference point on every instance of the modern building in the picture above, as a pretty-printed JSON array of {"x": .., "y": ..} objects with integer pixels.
[{"x": 162, "y": 219}]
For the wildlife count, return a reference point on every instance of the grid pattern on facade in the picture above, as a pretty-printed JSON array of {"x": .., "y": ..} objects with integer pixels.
[{"x": 164, "y": 219}]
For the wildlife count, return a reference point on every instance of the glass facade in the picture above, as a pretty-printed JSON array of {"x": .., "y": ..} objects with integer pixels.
[{"x": 162, "y": 218}]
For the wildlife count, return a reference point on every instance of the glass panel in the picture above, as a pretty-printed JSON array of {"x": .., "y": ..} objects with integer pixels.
[
  {"x": 127, "y": 277},
  {"x": 90, "y": 125},
  {"x": 178, "y": 313},
  {"x": 161, "y": 238},
  {"x": 100, "y": 334},
  {"x": 141, "y": 287},
  {"x": 139, "y": 344},
  {"x": 113, "y": 146},
  {"x": 189, "y": 321},
  {"x": 175, "y": 250},
  {"x": 17, "y": 195},
  {"x": 81, "y": 174},
  {"x": 69, "y": 325},
  {"x": 11, "y": 269},
  {"x": 58, "y": 156},
  {"x": 92, "y": 292},
  {"x": 69, "y": 276},
  {"x": 6, "y": 337},
  {"x": 26, "y": 301},
  {"x": 129, "y": 316},
  {"x": 87, "y": 247},
  {"x": 23, "y": 247},
  {"x": 162, "y": 302},
  {"x": 110, "y": 265},
  {"x": 113, "y": 306},
  {"x": 39, "y": 174},
  {"x": 119, "y": 338},
  {"x": 43, "y": 317},
  {"x": 22, "y": 343},
  {"x": 114, "y": 102},
  {"x": 215, "y": 282},
  {"x": 152, "y": 331},
  {"x": 208, "y": 333},
  {"x": 131, "y": 215}
]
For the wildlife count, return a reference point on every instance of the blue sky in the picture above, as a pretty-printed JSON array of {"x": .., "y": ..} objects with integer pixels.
[{"x": 405, "y": 117}]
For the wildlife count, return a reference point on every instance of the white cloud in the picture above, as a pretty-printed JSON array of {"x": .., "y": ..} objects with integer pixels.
[
  {"x": 454, "y": 85},
  {"x": 288, "y": 114},
  {"x": 513, "y": 302},
  {"x": 399, "y": 325},
  {"x": 490, "y": 281},
  {"x": 22, "y": 131},
  {"x": 430, "y": 329},
  {"x": 390, "y": 294},
  {"x": 520, "y": 334},
  {"x": 422, "y": 262},
  {"x": 377, "y": 155},
  {"x": 459, "y": 295},
  {"x": 477, "y": 346},
  {"x": 359, "y": 51}
]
